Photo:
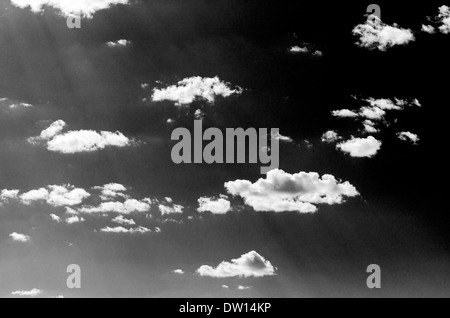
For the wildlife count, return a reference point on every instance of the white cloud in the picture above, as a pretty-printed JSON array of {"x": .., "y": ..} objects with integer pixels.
[
  {"x": 17, "y": 237},
  {"x": 240, "y": 287},
  {"x": 344, "y": 113},
  {"x": 74, "y": 219},
  {"x": 69, "y": 7},
  {"x": 174, "y": 209},
  {"x": 375, "y": 34},
  {"x": 225, "y": 286},
  {"x": 331, "y": 136},
  {"x": 409, "y": 136},
  {"x": 127, "y": 207},
  {"x": 87, "y": 141},
  {"x": 372, "y": 113},
  {"x": 189, "y": 89},
  {"x": 215, "y": 206},
  {"x": 179, "y": 271},
  {"x": 369, "y": 127},
  {"x": 361, "y": 147},
  {"x": 428, "y": 29},
  {"x": 27, "y": 293},
  {"x": 122, "y": 230},
  {"x": 119, "y": 43},
  {"x": 55, "y": 218},
  {"x": 280, "y": 137},
  {"x": 7, "y": 195},
  {"x": 387, "y": 104},
  {"x": 78, "y": 141},
  {"x": 54, "y": 195},
  {"x": 112, "y": 190},
  {"x": 248, "y": 265},
  {"x": 444, "y": 18},
  {"x": 283, "y": 192},
  {"x": 123, "y": 221}
]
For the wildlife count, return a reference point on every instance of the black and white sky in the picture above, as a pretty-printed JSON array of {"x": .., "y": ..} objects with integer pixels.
[{"x": 87, "y": 178}]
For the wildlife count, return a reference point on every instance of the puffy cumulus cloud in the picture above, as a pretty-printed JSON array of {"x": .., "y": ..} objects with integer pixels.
[
  {"x": 8, "y": 195},
  {"x": 74, "y": 219},
  {"x": 409, "y": 136},
  {"x": 178, "y": 271},
  {"x": 87, "y": 141},
  {"x": 18, "y": 237},
  {"x": 444, "y": 18},
  {"x": 128, "y": 207},
  {"x": 375, "y": 34},
  {"x": 189, "y": 89},
  {"x": 298, "y": 49},
  {"x": 361, "y": 147},
  {"x": 428, "y": 29},
  {"x": 387, "y": 104},
  {"x": 369, "y": 127},
  {"x": 215, "y": 206},
  {"x": 331, "y": 136},
  {"x": 305, "y": 49},
  {"x": 55, "y": 218},
  {"x": 55, "y": 195},
  {"x": 170, "y": 209},
  {"x": 248, "y": 265},
  {"x": 372, "y": 113},
  {"x": 122, "y": 230},
  {"x": 80, "y": 140},
  {"x": 85, "y": 8},
  {"x": 118, "y": 43},
  {"x": 112, "y": 190},
  {"x": 344, "y": 113},
  {"x": 284, "y": 192},
  {"x": 123, "y": 221},
  {"x": 27, "y": 293}
]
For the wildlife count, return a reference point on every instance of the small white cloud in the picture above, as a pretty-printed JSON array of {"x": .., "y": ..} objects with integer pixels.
[
  {"x": 189, "y": 89},
  {"x": 178, "y": 271},
  {"x": 174, "y": 209},
  {"x": 344, "y": 113},
  {"x": 74, "y": 219},
  {"x": 8, "y": 195},
  {"x": 372, "y": 113},
  {"x": 248, "y": 265},
  {"x": 361, "y": 147},
  {"x": 123, "y": 221},
  {"x": 55, "y": 218},
  {"x": 428, "y": 29},
  {"x": 119, "y": 43},
  {"x": 331, "y": 136},
  {"x": 17, "y": 237},
  {"x": 111, "y": 191},
  {"x": 369, "y": 127},
  {"x": 375, "y": 34},
  {"x": 298, "y": 49},
  {"x": 225, "y": 286},
  {"x": 85, "y": 8},
  {"x": 127, "y": 207},
  {"x": 240, "y": 287},
  {"x": 280, "y": 137},
  {"x": 80, "y": 140},
  {"x": 27, "y": 293},
  {"x": 122, "y": 230},
  {"x": 215, "y": 206},
  {"x": 54, "y": 195},
  {"x": 409, "y": 136}
]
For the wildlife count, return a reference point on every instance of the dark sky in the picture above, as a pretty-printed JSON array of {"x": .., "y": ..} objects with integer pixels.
[{"x": 400, "y": 220}]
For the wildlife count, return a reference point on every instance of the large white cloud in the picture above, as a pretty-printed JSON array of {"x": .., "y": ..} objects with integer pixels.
[
  {"x": 283, "y": 192},
  {"x": 68, "y": 7},
  {"x": 79, "y": 140},
  {"x": 213, "y": 205},
  {"x": 375, "y": 34},
  {"x": 248, "y": 265},
  {"x": 189, "y": 89},
  {"x": 361, "y": 147}
]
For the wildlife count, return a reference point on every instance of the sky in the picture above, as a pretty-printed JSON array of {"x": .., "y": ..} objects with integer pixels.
[{"x": 87, "y": 176}]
